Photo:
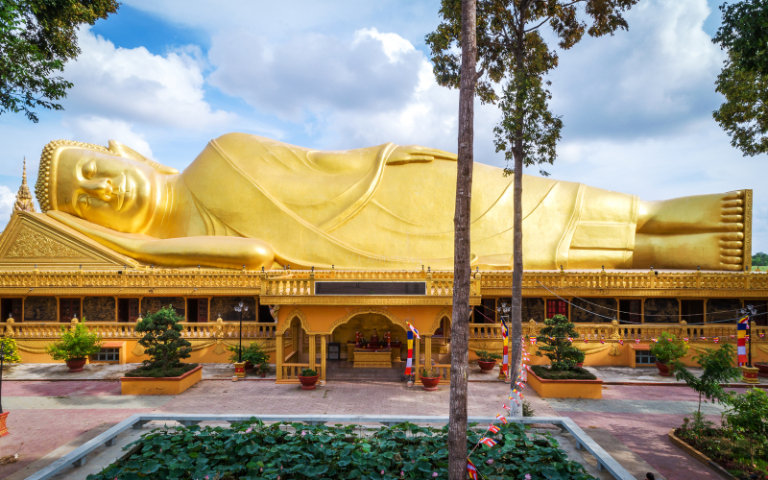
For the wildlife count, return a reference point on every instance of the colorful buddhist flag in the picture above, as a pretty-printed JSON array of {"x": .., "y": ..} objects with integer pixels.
[
  {"x": 471, "y": 470},
  {"x": 409, "y": 361},
  {"x": 488, "y": 442},
  {"x": 505, "y": 342},
  {"x": 501, "y": 417},
  {"x": 741, "y": 342},
  {"x": 493, "y": 429},
  {"x": 413, "y": 329}
]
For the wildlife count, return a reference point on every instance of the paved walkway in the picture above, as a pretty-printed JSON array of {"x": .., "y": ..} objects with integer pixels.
[{"x": 47, "y": 414}]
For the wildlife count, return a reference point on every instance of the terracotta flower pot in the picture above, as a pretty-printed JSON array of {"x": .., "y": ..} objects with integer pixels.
[
  {"x": 76, "y": 364},
  {"x": 308, "y": 383},
  {"x": 580, "y": 365},
  {"x": 762, "y": 369},
  {"x": 3, "y": 427},
  {"x": 486, "y": 366},
  {"x": 248, "y": 366},
  {"x": 663, "y": 369},
  {"x": 430, "y": 383}
]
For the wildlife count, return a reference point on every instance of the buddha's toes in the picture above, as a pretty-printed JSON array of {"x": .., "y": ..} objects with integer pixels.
[
  {"x": 731, "y": 250},
  {"x": 697, "y": 214}
]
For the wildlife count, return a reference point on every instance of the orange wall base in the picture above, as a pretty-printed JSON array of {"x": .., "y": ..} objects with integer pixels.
[
  {"x": 161, "y": 386},
  {"x": 566, "y": 388}
]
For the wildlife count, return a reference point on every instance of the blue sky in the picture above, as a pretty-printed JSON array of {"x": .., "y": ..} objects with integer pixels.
[{"x": 166, "y": 77}]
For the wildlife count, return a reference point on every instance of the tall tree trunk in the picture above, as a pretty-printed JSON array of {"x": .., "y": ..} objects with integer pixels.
[
  {"x": 516, "y": 314},
  {"x": 457, "y": 425}
]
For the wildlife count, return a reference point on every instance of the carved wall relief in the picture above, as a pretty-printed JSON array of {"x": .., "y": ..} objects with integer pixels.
[
  {"x": 662, "y": 310},
  {"x": 40, "y": 309},
  {"x": 226, "y": 307},
  {"x": 602, "y": 306},
  {"x": 99, "y": 309},
  {"x": 32, "y": 244}
]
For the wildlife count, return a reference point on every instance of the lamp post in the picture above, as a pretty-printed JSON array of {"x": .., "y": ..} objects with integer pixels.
[{"x": 240, "y": 308}]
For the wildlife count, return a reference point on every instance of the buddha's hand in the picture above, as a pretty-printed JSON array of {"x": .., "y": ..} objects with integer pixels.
[
  {"x": 216, "y": 252},
  {"x": 403, "y": 154}
]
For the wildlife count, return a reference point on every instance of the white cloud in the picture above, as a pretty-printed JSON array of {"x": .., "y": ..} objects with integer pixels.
[
  {"x": 98, "y": 130},
  {"x": 316, "y": 73},
  {"x": 134, "y": 85},
  {"x": 7, "y": 199}
]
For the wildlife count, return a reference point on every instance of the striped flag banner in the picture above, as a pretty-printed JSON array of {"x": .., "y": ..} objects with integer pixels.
[
  {"x": 505, "y": 337},
  {"x": 409, "y": 362},
  {"x": 501, "y": 417},
  {"x": 493, "y": 429},
  {"x": 413, "y": 329},
  {"x": 471, "y": 470},
  {"x": 741, "y": 342},
  {"x": 488, "y": 442}
]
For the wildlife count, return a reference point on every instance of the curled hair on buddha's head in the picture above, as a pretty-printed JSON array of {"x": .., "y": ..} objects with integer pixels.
[{"x": 46, "y": 171}]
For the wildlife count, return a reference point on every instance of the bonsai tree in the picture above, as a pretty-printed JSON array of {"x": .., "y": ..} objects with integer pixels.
[
  {"x": 484, "y": 356},
  {"x": 75, "y": 343},
  {"x": 429, "y": 373},
  {"x": 668, "y": 349},
  {"x": 11, "y": 350},
  {"x": 163, "y": 343},
  {"x": 717, "y": 368},
  {"x": 579, "y": 358},
  {"x": 553, "y": 343}
]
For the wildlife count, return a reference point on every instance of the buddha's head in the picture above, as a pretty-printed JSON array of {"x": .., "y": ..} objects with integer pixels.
[{"x": 115, "y": 187}]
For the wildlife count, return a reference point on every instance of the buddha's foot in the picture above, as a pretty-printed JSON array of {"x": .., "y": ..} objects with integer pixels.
[
  {"x": 708, "y": 251},
  {"x": 697, "y": 214}
]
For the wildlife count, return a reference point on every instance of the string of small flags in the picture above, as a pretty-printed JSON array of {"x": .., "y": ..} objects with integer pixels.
[
  {"x": 489, "y": 442},
  {"x": 601, "y": 338}
]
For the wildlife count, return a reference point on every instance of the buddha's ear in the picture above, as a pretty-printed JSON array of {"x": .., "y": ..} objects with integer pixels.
[{"x": 119, "y": 149}]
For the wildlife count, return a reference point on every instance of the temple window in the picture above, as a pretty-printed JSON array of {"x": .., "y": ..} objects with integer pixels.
[
  {"x": 68, "y": 308},
  {"x": 127, "y": 309},
  {"x": 486, "y": 311},
  {"x": 631, "y": 311},
  {"x": 593, "y": 310},
  {"x": 557, "y": 307},
  {"x": 10, "y": 307},
  {"x": 265, "y": 315},
  {"x": 197, "y": 310},
  {"x": 692, "y": 311}
]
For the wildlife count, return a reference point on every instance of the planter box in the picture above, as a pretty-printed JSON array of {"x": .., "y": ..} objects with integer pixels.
[
  {"x": 699, "y": 456},
  {"x": 161, "y": 385},
  {"x": 565, "y": 388}
]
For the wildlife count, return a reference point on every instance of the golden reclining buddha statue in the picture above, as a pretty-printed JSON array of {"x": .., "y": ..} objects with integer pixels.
[{"x": 251, "y": 202}]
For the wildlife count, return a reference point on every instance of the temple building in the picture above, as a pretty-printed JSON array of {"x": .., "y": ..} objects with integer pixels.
[{"x": 55, "y": 270}]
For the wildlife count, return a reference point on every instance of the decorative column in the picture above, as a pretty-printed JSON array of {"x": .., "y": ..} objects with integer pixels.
[
  {"x": 428, "y": 351},
  {"x": 312, "y": 352},
  {"x": 279, "y": 354},
  {"x": 323, "y": 356}
]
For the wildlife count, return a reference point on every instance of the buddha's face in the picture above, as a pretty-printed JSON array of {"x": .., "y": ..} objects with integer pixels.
[{"x": 109, "y": 190}]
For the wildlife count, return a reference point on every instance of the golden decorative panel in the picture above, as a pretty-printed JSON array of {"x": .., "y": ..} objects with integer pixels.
[{"x": 32, "y": 244}]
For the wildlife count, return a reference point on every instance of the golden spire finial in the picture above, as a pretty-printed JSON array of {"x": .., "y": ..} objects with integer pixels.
[{"x": 24, "y": 201}]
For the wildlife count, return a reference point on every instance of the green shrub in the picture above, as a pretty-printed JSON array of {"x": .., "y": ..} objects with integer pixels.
[
  {"x": 668, "y": 348},
  {"x": 11, "y": 350},
  {"x": 75, "y": 343},
  {"x": 748, "y": 412},
  {"x": 429, "y": 373},
  {"x": 163, "y": 343},
  {"x": 308, "y": 372},
  {"x": 297, "y": 451},
  {"x": 717, "y": 365},
  {"x": 484, "y": 356},
  {"x": 252, "y": 353},
  {"x": 553, "y": 341}
]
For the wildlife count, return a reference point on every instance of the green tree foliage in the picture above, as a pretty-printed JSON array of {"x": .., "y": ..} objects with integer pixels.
[
  {"x": 11, "y": 350},
  {"x": 748, "y": 412},
  {"x": 37, "y": 37},
  {"x": 75, "y": 343},
  {"x": 553, "y": 342},
  {"x": 744, "y": 78},
  {"x": 514, "y": 59},
  {"x": 760, "y": 259},
  {"x": 718, "y": 368},
  {"x": 162, "y": 341}
]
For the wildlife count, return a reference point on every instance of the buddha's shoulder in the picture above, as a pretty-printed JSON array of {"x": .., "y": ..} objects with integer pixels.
[{"x": 239, "y": 140}]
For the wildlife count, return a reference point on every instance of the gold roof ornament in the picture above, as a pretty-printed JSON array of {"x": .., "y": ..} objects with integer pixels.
[{"x": 24, "y": 201}]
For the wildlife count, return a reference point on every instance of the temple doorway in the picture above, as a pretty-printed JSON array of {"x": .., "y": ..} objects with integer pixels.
[{"x": 370, "y": 347}]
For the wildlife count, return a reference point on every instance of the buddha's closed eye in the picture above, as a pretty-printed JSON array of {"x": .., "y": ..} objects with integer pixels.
[{"x": 89, "y": 169}]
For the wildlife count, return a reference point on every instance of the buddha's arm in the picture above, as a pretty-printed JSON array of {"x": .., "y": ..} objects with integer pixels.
[{"x": 217, "y": 252}]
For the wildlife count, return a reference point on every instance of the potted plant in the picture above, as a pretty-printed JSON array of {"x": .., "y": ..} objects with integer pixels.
[
  {"x": 308, "y": 379},
  {"x": 486, "y": 360},
  {"x": 164, "y": 373},
  {"x": 430, "y": 380},
  {"x": 762, "y": 368},
  {"x": 253, "y": 356},
  {"x": 667, "y": 350},
  {"x": 579, "y": 358},
  {"x": 263, "y": 369},
  {"x": 74, "y": 346}
]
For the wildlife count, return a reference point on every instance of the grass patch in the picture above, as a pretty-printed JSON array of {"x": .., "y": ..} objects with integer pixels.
[
  {"x": 155, "y": 372},
  {"x": 574, "y": 374},
  {"x": 743, "y": 456},
  {"x": 252, "y": 450}
]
